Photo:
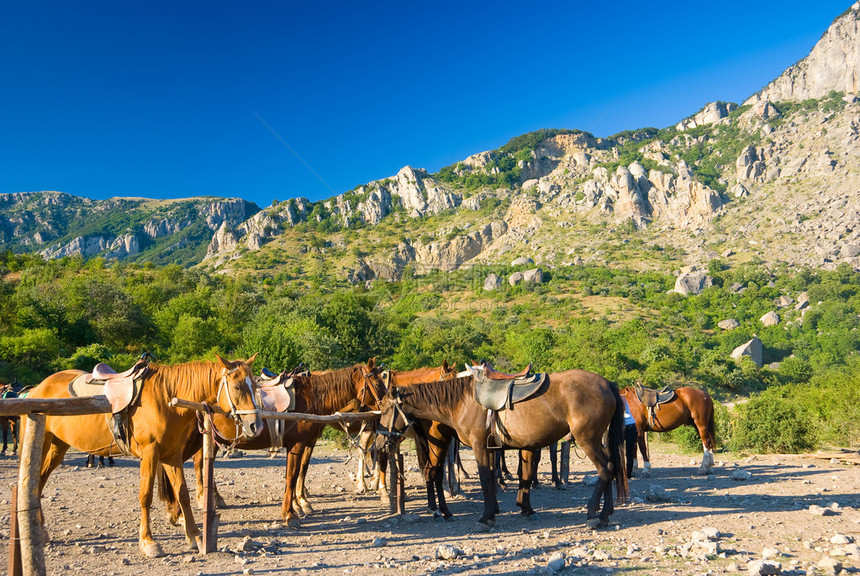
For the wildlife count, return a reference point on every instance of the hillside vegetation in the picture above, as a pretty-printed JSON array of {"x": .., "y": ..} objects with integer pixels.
[{"x": 622, "y": 323}]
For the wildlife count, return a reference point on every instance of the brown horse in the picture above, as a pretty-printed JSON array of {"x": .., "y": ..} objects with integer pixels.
[
  {"x": 158, "y": 431},
  {"x": 576, "y": 401},
  {"x": 319, "y": 393},
  {"x": 689, "y": 406}
]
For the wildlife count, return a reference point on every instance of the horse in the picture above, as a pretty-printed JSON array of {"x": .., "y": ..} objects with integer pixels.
[
  {"x": 578, "y": 402},
  {"x": 9, "y": 424},
  {"x": 158, "y": 432},
  {"x": 432, "y": 438},
  {"x": 320, "y": 393},
  {"x": 689, "y": 406}
]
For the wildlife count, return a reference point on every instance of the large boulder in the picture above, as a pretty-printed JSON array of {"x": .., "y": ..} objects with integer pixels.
[
  {"x": 693, "y": 283},
  {"x": 753, "y": 349},
  {"x": 492, "y": 282},
  {"x": 728, "y": 324},
  {"x": 534, "y": 276},
  {"x": 522, "y": 261},
  {"x": 770, "y": 319},
  {"x": 515, "y": 278}
]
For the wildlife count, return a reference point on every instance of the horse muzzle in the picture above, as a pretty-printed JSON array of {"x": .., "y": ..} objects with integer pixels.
[{"x": 252, "y": 425}]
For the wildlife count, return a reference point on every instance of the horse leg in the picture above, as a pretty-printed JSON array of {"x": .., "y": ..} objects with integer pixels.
[
  {"x": 300, "y": 504},
  {"x": 642, "y": 440},
  {"x": 565, "y": 463},
  {"x": 180, "y": 490},
  {"x": 294, "y": 458},
  {"x": 91, "y": 461},
  {"x": 13, "y": 426},
  {"x": 5, "y": 425},
  {"x": 53, "y": 452},
  {"x": 148, "y": 468},
  {"x": 483, "y": 457},
  {"x": 528, "y": 468},
  {"x": 556, "y": 457}
]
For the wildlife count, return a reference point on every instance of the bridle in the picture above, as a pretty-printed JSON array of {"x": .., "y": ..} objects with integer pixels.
[
  {"x": 235, "y": 413},
  {"x": 392, "y": 435},
  {"x": 366, "y": 387}
]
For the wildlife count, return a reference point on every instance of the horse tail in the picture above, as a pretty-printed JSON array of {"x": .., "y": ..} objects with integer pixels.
[
  {"x": 616, "y": 443},
  {"x": 165, "y": 489}
]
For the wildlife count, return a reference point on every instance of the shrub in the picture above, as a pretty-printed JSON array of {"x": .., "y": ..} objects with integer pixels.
[{"x": 772, "y": 422}]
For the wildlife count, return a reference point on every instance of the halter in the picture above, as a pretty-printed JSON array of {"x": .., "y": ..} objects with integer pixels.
[
  {"x": 365, "y": 387},
  {"x": 395, "y": 435},
  {"x": 235, "y": 413}
]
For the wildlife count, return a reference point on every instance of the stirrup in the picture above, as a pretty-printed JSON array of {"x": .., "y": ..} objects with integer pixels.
[{"x": 494, "y": 442}]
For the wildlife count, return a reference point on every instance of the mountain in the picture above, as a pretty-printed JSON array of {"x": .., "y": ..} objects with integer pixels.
[
  {"x": 56, "y": 224},
  {"x": 774, "y": 179}
]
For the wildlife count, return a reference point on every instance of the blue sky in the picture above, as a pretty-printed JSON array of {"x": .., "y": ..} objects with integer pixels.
[{"x": 271, "y": 100}]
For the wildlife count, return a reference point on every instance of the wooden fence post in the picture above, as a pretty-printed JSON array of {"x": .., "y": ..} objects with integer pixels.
[
  {"x": 29, "y": 506},
  {"x": 210, "y": 518},
  {"x": 14, "y": 540}
]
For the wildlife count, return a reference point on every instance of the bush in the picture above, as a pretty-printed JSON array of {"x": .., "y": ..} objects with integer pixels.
[{"x": 772, "y": 422}]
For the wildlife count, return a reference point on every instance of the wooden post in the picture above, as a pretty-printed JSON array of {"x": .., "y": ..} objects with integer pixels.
[
  {"x": 401, "y": 481},
  {"x": 210, "y": 518},
  {"x": 14, "y": 541},
  {"x": 29, "y": 506},
  {"x": 393, "y": 473}
]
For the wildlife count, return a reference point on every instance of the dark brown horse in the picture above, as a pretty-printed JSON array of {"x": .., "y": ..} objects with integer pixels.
[
  {"x": 689, "y": 406},
  {"x": 579, "y": 402},
  {"x": 158, "y": 431}
]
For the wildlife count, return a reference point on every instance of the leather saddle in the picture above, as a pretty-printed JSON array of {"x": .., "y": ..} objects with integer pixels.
[
  {"x": 497, "y": 391},
  {"x": 122, "y": 390},
  {"x": 277, "y": 393},
  {"x": 651, "y": 398}
]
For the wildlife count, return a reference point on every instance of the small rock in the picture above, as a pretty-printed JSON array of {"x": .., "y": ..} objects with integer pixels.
[
  {"x": 707, "y": 533},
  {"x": 379, "y": 542},
  {"x": 555, "y": 562},
  {"x": 817, "y": 510},
  {"x": 841, "y": 539},
  {"x": 740, "y": 475},
  {"x": 769, "y": 553},
  {"x": 601, "y": 555},
  {"x": 657, "y": 493},
  {"x": 829, "y": 565},
  {"x": 764, "y": 567},
  {"x": 447, "y": 552}
]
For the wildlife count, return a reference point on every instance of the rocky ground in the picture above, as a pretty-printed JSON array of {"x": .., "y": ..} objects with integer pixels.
[{"x": 791, "y": 510}]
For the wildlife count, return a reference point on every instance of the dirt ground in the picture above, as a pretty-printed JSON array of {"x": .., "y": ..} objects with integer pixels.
[{"x": 92, "y": 520}]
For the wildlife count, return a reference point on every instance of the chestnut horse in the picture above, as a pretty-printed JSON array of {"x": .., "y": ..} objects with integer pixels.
[
  {"x": 320, "y": 393},
  {"x": 158, "y": 431},
  {"x": 689, "y": 406},
  {"x": 575, "y": 401}
]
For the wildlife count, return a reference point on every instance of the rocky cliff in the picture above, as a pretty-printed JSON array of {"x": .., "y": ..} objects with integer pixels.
[{"x": 833, "y": 64}]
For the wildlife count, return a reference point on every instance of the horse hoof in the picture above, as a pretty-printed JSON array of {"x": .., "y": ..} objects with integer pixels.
[
  {"x": 530, "y": 516},
  {"x": 484, "y": 526},
  {"x": 152, "y": 550},
  {"x": 595, "y": 523},
  {"x": 294, "y": 523},
  {"x": 195, "y": 545}
]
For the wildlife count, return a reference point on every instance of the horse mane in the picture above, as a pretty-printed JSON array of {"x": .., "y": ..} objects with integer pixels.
[
  {"x": 443, "y": 394},
  {"x": 179, "y": 379},
  {"x": 328, "y": 391}
]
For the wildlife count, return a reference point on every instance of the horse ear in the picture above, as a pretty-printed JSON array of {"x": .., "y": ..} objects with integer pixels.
[
  {"x": 250, "y": 360},
  {"x": 445, "y": 364},
  {"x": 371, "y": 364},
  {"x": 226, "y": 363}
]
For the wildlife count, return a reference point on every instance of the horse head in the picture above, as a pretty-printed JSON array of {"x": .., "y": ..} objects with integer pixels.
[
  {"x": 369, "y": 383},
  {"x": 393, "y": 422},
  {"x": 236, "y": 395}
]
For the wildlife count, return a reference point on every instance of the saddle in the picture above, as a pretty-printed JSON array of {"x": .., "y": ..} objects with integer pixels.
[
  {"x": 492, "y": 374},
  {"x": 122, "y": 390},
  {"x": 652, "y": 399},
  {"x": 277, "y": 393},
  {"x": 496, "y": 394}
]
